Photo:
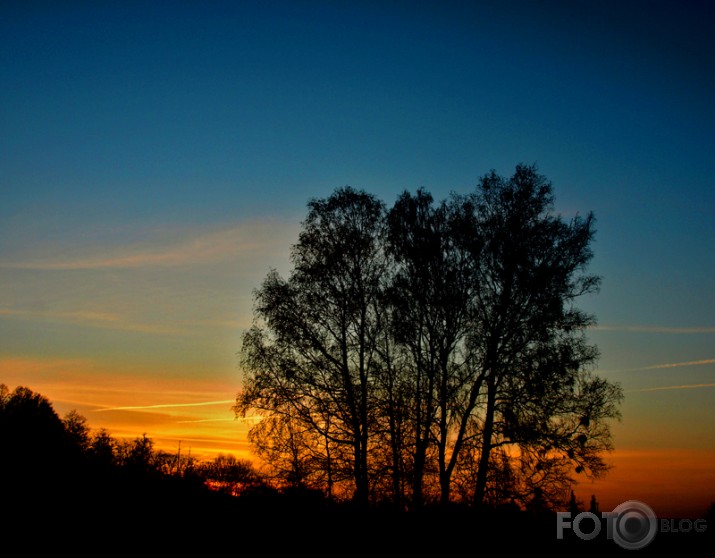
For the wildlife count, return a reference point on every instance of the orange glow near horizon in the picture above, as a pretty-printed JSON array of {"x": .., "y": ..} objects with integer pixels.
[
  {"x": 674, "y": 482},
  {"x": 196, "y": 416}
]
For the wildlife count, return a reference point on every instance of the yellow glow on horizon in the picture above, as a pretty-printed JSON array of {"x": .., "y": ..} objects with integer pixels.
[{"x": 194, "y": 412}]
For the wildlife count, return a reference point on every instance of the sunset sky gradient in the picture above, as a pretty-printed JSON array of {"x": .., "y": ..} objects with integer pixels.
[{"x": 156, "y": 160}]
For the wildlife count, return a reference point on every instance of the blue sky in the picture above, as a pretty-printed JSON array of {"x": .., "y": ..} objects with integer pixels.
[{"x": 156, "y": 160}]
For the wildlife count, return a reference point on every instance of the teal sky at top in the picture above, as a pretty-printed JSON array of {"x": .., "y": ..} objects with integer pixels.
[{"x": 137, "y": 114}]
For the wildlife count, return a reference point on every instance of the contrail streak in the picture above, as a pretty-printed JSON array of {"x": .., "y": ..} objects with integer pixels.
[
  {"x": 664, "y": 388},
  {"x": 205, "y": 420},
  {"x": 655, "y": 329},
  {"x": 167, "y": 405},
  {"x": 668, "y": 365}
]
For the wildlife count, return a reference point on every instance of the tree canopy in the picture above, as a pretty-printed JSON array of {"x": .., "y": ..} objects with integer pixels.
[{"x": 432, "y": 351}]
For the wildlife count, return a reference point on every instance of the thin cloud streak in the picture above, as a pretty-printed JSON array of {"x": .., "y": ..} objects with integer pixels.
[
  {"x": 667, "y": 388},
  {"x": 96, "y": 319},
  {"x": 204, "y": 420},
  {"x": 166, "y": 405},
  {"x": 120, "y": 323},
  {"x": 667, "y": 365},
  {"x": 199, "y": 248},
  {"x": 78, "y": 316},
  {"x": 656, "y": 329}
]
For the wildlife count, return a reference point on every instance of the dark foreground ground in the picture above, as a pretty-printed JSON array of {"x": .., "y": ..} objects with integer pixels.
[{"x": 165, "y": 522}]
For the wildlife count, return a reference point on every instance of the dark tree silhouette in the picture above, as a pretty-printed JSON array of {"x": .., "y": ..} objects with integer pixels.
[
  {"x": 138, "y": 455},
  {"x": 102, "y": 450},
  {"x": 229, "y": 475},
  {"x": 313, "y": 359},
  {"x": 32, "y": 434},
  {"x": 430, "y": 296},
  {"x": 77, "y": 429},
  {"x": 430, "y": 347},
  {"x": 63, "y": 484},
  {"x": 527, "y": 340},
  {"x": 42, "y": 464}
]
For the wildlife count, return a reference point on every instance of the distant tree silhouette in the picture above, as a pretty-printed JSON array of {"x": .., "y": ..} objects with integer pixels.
[
  {"x": 31, "y": 432},
  {"x": 62, "y": 482},
  {"x": 102, "y": 448},
  {"x": 29, "y": 422},
  {"x": 42, "y": 463},
  {"x": 77, "y": 429},
  {"x": 294, "y": 456},
  {"x": 432, "y": 347},
  {"x": 138, "y": 456},
  {"x": 229, "y": 475}
]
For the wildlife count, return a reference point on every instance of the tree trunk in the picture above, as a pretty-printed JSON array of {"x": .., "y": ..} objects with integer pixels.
[{"x": 487, "y": 433}]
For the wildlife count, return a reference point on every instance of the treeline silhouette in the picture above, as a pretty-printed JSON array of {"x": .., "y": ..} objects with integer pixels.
[
  {"x": 61, "y": 478},
  {"x": 67, "y": 486},
  {"x": 57, "y": 470}
]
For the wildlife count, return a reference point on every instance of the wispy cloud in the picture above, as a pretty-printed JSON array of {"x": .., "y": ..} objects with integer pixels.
[
  {"x": 71, "y": 316},
  {"x": 654, "y": 329},
  {"x": 167, "y": 405},
  {"x": 241, "y": 420},
  {"x": 199, "y": 247},
  {"x": 667, "y": 388},
  {"x": 668, "y": 365},
  {"x": 205, "y": 420},
  {"x": 96, "y": 319},
  {"x": 106, "y": 384}
]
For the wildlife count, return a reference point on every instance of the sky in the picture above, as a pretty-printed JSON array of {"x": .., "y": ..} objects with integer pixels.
[{"x": 156, "y": 159}]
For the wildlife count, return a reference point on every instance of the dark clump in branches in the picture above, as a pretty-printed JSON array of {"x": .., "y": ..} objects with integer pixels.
[{"x": 432, "y": 351}]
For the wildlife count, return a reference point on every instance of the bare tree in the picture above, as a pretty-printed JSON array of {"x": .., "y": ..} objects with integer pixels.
[
  {"x": 528, "y": 337},
  {"x": 432, "y": 347},
  {"x": 313, "y": 355},
  {"x": 430, "y": 295}
]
